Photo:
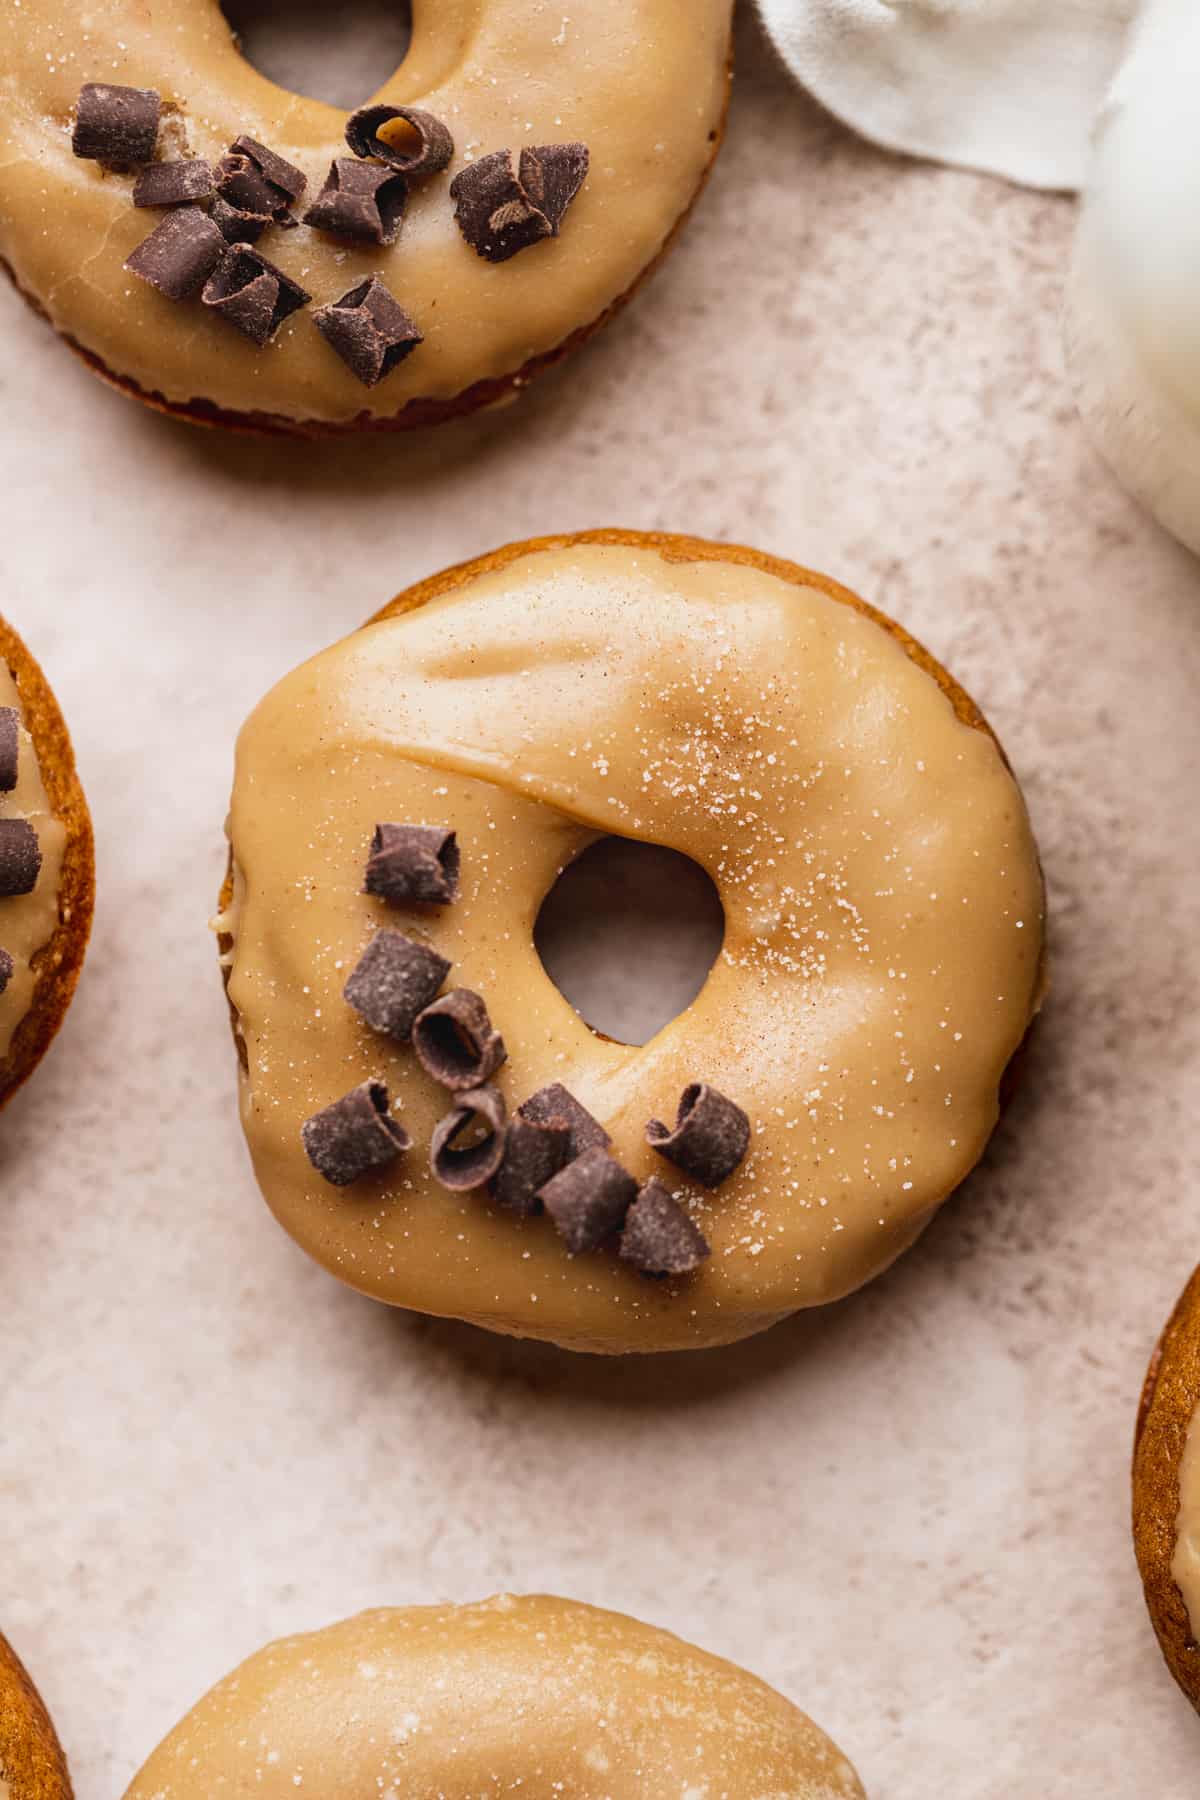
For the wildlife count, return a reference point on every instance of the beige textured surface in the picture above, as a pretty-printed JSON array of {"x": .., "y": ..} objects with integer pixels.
[
  {"x": 910, "y": 1513},
  {"x": 535, "y": 1695}
]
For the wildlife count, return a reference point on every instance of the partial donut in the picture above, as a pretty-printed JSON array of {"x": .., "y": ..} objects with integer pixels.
[
  {"x": 46, "y": 865},
  {"x": 1166, "y": 1491},
  {"x": 501, "y": 195},
  {"x": 837, "y": 1076},
  {"x": 548, "y": 1698},
  {"x": 32, "y": 1765}
]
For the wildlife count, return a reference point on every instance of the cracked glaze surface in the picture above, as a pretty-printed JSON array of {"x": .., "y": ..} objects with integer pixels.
[{"x": 881, "y": 890}]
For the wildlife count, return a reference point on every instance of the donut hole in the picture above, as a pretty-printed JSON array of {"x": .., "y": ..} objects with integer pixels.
[
  {"x": 628, "y": 934},
  {"x": 341, "y": 54}
]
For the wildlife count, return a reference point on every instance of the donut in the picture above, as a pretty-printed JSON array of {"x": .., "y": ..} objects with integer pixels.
[
  {"x": 502, "y": 194},
  {"x": 46, "y": 865},
  {"x": 549, "y": 1697},
  {"x": 403, "y": 802},
  {"x": 32, "y": 1765},
  {"x": 1166, "y": 1491}
]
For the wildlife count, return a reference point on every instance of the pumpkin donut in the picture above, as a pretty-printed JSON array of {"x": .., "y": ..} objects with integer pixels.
[
  {"x": 1166, "y": 1490},
  {"x": 579, "y": 140},
  {"x": 46, "y": 866},
  {"x": 404, "y": 801},
  {"x": 553, "y": 1699},
  {"x": 32, "y": 1765}
]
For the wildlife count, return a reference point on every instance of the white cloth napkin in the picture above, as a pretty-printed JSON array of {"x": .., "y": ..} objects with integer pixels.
[{"x": 1007, "y": 86}]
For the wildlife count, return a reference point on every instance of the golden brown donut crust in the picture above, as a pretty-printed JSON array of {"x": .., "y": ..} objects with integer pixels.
[
  {"x": 684, "y": 550},
  {"x": 1170, "y": 1397},
  {"x": 31, "y": 1758},
  {"x": 58, "y": 963}
]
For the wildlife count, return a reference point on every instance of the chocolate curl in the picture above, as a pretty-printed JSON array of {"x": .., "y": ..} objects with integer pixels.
[
  {"x": 10, "y": 746},
  {"x": 413, "y": 862},
  {"x": 554, "y": 1105},
  {"x": 589, "y": 1199},
  {"x": 183, "y": 183},
  {"x": 502, "y": 210},
  {"x": 235, "y": 225},
  {"x": 394, "y": 980},
  {"x": 456, "y": 1042},
  {"x": 552, "y": 175},
  {"x": 710, "y": 1138},
  {"x": 20, "y": 858},
  {"x": 6, "y": 969},
  {"x": 360, "y": 200},
  {"x": 116, "y": 125},
  {"x": 429, "y": 155},
  {"x": 354, "y": 1136},
  {"x": 659, "y": 1238},
  {"x": 252, "y": 293},
  {"x": 370, "y": 331},
  {"x": 475, "y": 1164},
  {"x": 255, "y": 180},
  {"x": 532, "y": 1154},
  {"x": 180, "y": 254}
]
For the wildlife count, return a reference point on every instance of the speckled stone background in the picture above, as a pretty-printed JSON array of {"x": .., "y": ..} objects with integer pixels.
[{"x": 909, "y": 1513}]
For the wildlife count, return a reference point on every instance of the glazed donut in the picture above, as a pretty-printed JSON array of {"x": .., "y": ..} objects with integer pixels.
[
  {"x": 1166, "y": 1491},
  {"x": 46, "y": 865},
  {"x": 32, "y": 1765},
  {"x": 639, "y": 87},
  {"x": 553, "y": 1699},
  {"x": 882, "y": 958}
]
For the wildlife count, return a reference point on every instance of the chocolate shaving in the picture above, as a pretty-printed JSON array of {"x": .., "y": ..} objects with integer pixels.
[
  {"x": 257, "y": 181},
  {"x": 6, "y": 969},
  {"x": 235, "y": 225},
  {"x": 710, "y": 1138},
  {"x": 456, "y": 1042},
  {"x": 360, "y": 200},
  {"x": 428, "y": 156},
  {"x": 180, "y": 254},
  {"x": 20, "y": 858},
  {"x": 474, "y": 1164},
  {"x": 413, "y": 862},
  {"x": 501, "y": 210},
  {"x": 394, "y": 980},
  {"x": 10, "y": 743},
  {"x": 369, "y": 329},
  {"x": 354, "y": 1135},
  {"x": 532, "y": 1154},
  {"x": 588, "y": 1199},
  {"x": 552, "y": 175},
  {"x": 174, "y": 183},
  {"x": 659, "y": 1238},
  {"x": 554, "y": 1105},
  {"x": 252, "y": 293},
  {"x": 116, "y": 125}
]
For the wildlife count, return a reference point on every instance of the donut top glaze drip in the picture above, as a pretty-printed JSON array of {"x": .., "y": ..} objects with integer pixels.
[
  {"x": 641, "y": 82},
  {"x": 27, "y": 921},
  {"x": 534, "y": 1697},
  {"x": 883, "y": 924}
]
